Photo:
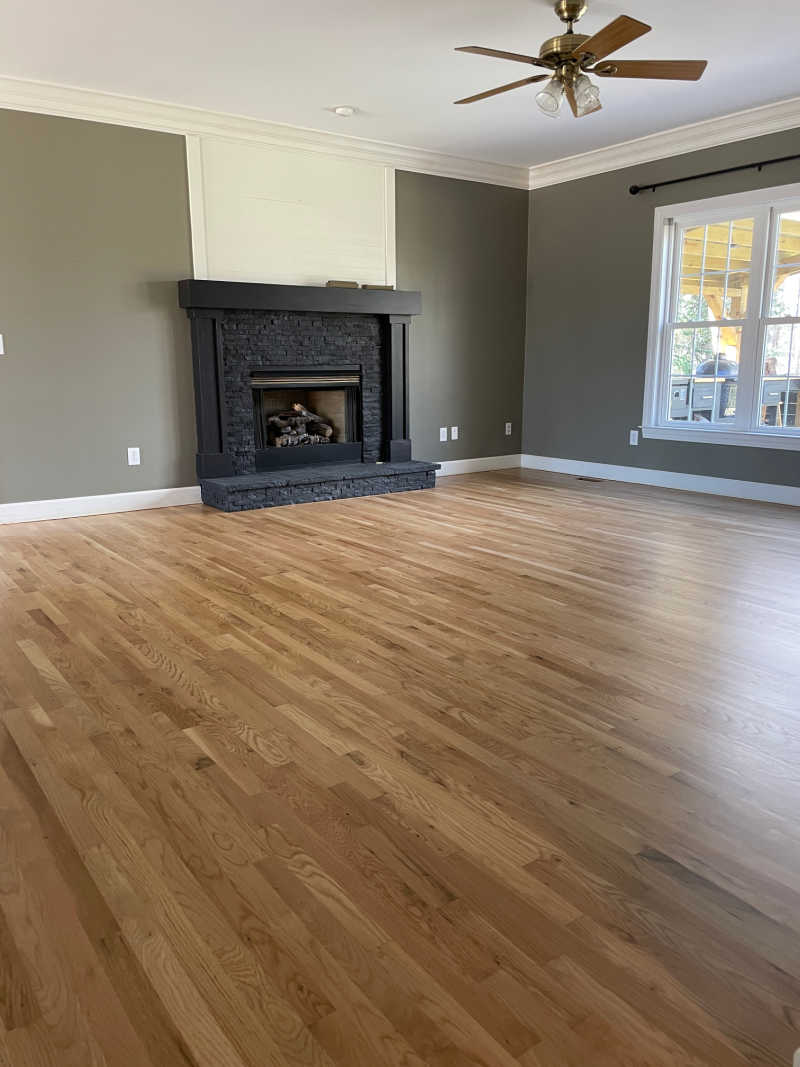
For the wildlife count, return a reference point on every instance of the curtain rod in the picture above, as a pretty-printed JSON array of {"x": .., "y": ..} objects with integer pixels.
[{"x": 652, "y": 186}]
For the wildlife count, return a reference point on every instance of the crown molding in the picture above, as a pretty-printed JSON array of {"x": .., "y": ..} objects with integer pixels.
[
  {"x": 70, "y": 102},
  {"x": 48, "y": 98},
  {"x": 769, "y": 118}
]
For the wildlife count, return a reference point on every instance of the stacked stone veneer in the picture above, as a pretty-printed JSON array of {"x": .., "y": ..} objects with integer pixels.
[
  {"x": 257, "y": 340},
  {"x": 328, "y": 482}
]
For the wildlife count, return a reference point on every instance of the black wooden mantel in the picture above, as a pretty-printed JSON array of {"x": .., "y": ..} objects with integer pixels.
[{"x": 206, "y": 304}]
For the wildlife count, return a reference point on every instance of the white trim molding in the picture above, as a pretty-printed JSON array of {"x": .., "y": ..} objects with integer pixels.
[
  {"x": 391, "y": 226},
  {"x": 710, "y": 133},
  {"x": 749, "y": 438},
  {"x": 473, "y": 466},
  {"x": 71, "y": 102},
  {"x": 48, "y": 98},
  {"x": 693, "y": 483},
  {"x": 197, "y": 205},
  {"x": 744, "y": 427},
  {"x": 113, "y": 503},
  {"x": 106, "y": 504}
]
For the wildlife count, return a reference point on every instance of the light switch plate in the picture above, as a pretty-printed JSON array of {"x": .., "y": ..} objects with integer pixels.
[
  {"x": 453, "y": 433},
  {"x": 134, "y": 457},
  {"x": 508, "y": 429},
  {"x": 442, "y": 433},
  {"x": 2, "y": 346},
  {"x": 633, "y": 437}
]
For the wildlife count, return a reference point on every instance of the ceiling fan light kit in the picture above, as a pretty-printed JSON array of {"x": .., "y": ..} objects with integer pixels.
[
  {"x": 550, "y": 96},
  {"x": 587, "y": 95},
  {"x": 571, "y": 57}
]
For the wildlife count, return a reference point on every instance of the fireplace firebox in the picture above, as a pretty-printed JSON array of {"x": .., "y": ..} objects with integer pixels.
[{"x": 307, "y": 416}]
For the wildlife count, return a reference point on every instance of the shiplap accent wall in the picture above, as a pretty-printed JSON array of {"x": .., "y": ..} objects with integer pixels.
[{"x": 265, "y": 213}]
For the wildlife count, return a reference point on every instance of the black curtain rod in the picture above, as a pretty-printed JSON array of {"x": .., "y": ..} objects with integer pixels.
[{"x": 652, "y": 186}]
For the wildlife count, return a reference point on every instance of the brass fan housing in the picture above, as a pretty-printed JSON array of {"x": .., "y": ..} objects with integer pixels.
[
  {"x": 570, "y": 10},
  {"x": 557, "y": 50}
]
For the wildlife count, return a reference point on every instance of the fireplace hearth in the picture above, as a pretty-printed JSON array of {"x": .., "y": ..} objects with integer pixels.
[{"x": 305, "y": 383}]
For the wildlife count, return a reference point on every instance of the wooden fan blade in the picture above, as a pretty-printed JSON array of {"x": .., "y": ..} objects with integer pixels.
[
  {"x": 503, "y": 88},
  {"x": 477, "y": 50},
  {"x": 569, "y": 92},
  {"x": 689, "y": 70},
  {"x": 620, "y": 32}
]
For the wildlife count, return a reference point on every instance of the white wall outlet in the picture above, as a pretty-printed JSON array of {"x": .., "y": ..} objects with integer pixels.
[
  {"x": 134, "y": 457},
  {"x": 442, "y": 433},
  {"x": 508, "y": 429},
  {"x": 633, "y": 437},
  {"x": 453, "y": 433}
]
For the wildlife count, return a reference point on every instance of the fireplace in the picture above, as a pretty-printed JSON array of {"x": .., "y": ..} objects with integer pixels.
[
  {"x": 283, "y": 400},
  {"x": 301, "y": 392}
]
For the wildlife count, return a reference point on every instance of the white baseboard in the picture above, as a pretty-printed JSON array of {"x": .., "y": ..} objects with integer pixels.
[
  {"x": 109, "y": 503},
  {"x": 74, "y": 506},
  {"x": 694, "y": 483},
  {"x": 485, "y": 463}
]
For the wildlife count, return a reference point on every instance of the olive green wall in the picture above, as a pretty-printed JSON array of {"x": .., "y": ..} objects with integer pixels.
[
  {"x": 463, "y": 244},
  {"x": 94, "y": 228},
  {"x": 590, "y": 251},
  {"x": 94, "y": 225}
]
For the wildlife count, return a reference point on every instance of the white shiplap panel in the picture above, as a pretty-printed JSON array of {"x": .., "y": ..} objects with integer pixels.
[{"x": 294, "y": 217}]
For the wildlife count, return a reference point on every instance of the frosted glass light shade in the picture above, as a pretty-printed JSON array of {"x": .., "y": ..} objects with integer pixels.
[
  {"x": 587, "y": 95},
  {"x": 549, "y": 98}
]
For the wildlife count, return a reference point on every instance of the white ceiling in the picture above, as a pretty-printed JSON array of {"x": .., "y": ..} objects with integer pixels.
[{"x": 290, "y": 61}]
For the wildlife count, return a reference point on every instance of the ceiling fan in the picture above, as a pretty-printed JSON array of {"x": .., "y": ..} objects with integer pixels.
[{"x": 573, "y": 56}]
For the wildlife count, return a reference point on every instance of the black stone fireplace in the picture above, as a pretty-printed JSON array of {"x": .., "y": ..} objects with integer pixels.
[{"x": 301, "y": 392}]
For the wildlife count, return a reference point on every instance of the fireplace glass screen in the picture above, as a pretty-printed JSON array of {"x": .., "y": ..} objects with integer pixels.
[{"x": 302, "y": 411}]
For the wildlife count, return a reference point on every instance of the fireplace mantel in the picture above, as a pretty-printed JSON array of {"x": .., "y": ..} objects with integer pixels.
[
  {"x": 222, "y": 318},
  {"x": 254, "y": 296}
]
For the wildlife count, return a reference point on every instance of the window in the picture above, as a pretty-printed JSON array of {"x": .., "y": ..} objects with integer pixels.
[{"x": 723, "y": 360}]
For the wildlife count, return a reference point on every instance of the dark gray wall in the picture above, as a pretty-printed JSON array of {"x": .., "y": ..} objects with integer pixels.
[
  {"x": 590, "y": 251},
  {"x": 464, "y": 245},
  {"x": 94, "y": 227}
]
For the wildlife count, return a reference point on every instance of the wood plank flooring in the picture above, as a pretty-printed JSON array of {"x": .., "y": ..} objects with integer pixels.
[{"x": 504, "y": 773}]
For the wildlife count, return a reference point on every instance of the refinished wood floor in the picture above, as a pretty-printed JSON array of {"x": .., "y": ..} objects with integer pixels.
[{"x": 502, "y": 773}]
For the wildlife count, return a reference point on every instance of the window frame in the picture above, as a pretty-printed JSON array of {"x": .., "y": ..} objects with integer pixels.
[{"x": 764, "y": 206}]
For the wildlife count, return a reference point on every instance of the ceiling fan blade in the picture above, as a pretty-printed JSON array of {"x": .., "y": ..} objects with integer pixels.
[
  {"x": 689, "y": 70},
  {"x": 569, "y": 92},
  {"x": 477, "y": 50},
  {"x": 503, "y": 89},
  {"x": 620, "y": 32}
]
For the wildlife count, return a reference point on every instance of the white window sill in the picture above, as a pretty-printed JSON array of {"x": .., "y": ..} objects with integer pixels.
[{"x": 750, "y": 439}]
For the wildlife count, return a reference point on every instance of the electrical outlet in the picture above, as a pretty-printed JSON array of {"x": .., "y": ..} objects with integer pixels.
[
  {"x": 134, "y": 457},
  {"x": 442, "y": 433},
  {"x": 633, "y": 437},
  {"x": 508, "y": 429},
  {"x": 453, "y": 433}
]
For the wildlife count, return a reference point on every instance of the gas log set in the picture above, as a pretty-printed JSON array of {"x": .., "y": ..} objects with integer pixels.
[{"x": 298, "y": 427}]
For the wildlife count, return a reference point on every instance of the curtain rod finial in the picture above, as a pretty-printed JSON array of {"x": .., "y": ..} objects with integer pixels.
[{"x": 635, "y": 189}]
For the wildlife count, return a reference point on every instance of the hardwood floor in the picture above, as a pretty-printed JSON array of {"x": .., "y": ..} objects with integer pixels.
[{"x": 506, "y": 773}]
